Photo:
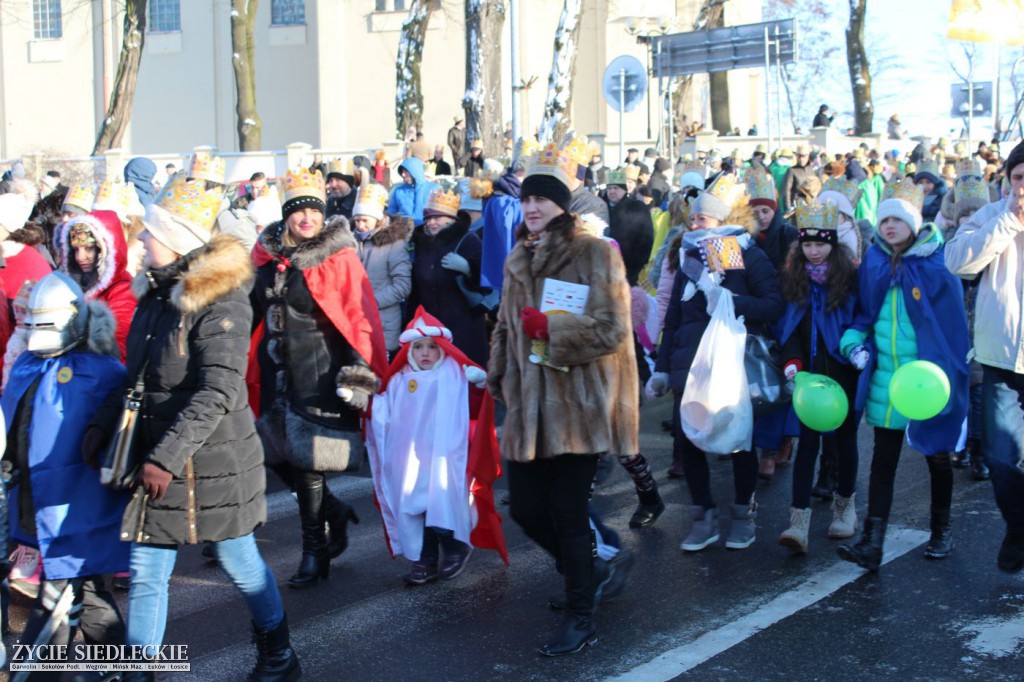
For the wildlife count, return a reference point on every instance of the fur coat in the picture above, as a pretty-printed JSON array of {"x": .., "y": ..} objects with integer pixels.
[{"x": 594, "y": 406}]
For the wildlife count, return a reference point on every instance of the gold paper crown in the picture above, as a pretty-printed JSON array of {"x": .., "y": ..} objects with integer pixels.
[
  {"x": 526, "y": 146},
  {"x": 971, "y": 188},
  {"x": 372, "y": 195},
  {"x": 206, "y": 166},
  {"x": 554, "y": 162},
  {"x": 114, "y": 195},
  {"x": 695, "y": 166},
  {"x": 929, "y": 167},
  {"x": 190, "y": 202},
  {"x": 81, "y": 196},
  {"x": 444, "y": 202},
  {"x": 969, "y": 168},
  {"x": 337, "y": 166},
  {"x": 760, "y": 184},
  {"x": 302, "y": 183},
  {"x": 817, "y": 217},
  {"x": 632, "y": 172},
  {"x": 726, "y": 188},
  {"x": 906, "y": 190},
  {"x": 579, "y": 150},
  {"x": 848, "y": 188}
]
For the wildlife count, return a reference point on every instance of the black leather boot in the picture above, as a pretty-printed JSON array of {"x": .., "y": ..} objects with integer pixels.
[
  {"x": 275, "y": 659},
  {"x": 867, "y": 553},
  {"x": 941, "y": 542},
  {"x": 979, "y": 469},
  {"x": 577, "y": 631},
  {"x": 316, "y": 561},
  {"x": 339, "y": 515},
  {"x": 650, "y": 508}
]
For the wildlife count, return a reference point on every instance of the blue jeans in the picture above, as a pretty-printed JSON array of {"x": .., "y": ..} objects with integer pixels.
[
  {"x": 1003, "y": 416},
  {"x": 152, "y": 565}
]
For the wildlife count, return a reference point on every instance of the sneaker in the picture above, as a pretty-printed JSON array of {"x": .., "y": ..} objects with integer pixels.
[
  {"x": 454, "y": 566},
  {"x": 26, "y": 572},
  {"x": 421, "y": 574}
]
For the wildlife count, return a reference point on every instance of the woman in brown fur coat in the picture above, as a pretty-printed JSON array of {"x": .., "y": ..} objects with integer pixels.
[{"x": 583, "y": 402}]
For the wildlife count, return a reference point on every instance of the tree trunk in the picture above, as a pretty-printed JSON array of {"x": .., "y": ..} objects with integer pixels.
[
  {"x": 719, "y": 81},
  {"x": 243, "y": 23},
  {"x": 408, "y": 94},
  {"x": 558, "y": 106},
  {"x": 860, "y": 76},
  {"x": 119, "y": 110},
  {"x": 484, "y": 22}
]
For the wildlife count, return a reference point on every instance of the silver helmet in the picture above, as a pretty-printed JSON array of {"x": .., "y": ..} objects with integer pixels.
[{"x": 56, "y": 317}]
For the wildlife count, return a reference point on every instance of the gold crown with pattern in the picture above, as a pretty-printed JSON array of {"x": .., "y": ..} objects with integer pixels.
[
  {"x": 727, "y": 188},
  {"x": 580, "y": 150},
  {"x": 906, "y": 190},
  {"x": 338, "y": 166},
  {"x": 303, "y": 183},
  {"x": 526, "y": 146},
  {"x": 370, "y": 201},
  {"x": 443, "y": 202},
  {"x": 695, "y": 166},
  {"x": 190, "y": 202},
  {"x": 760, "y": 184},
  {"x": 971, "y": 188},
  {"x": 969, "y": 168},
  {"x": 114, "y": 195},
  {"x": 81, "y": 196},
  {"x": 632, "y": 172},
  {"x": 554, "y": 162},
  {"x": 205, "y": 166},
  {"x": 848, "y": 188},
  {"x": 617, "y": 177},
  {"x": 817, "y": 217}
]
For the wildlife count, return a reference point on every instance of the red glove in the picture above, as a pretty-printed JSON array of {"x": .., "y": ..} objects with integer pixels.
[
  {"x": 535, "y": 323},
  {"x": 155, "y": 480}
]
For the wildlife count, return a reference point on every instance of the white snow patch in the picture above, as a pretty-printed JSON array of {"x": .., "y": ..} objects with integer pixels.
[{"x": 996, "y": 637}]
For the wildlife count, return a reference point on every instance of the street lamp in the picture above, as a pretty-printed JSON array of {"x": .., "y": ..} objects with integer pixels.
[{"x": 644, "y": 29}]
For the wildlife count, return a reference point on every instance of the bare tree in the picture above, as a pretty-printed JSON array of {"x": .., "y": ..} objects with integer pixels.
[
  {"x": 857, "y": 61},
  {"x": 484, "y": 22},
  {"x": 703, "y": 21},
  {"x": 408, "y": 92},
  {"x": 119, "y": 110},
  {"x": 558, "y": 106},
  {"x": 719, "y": 80},
  {"x": 243, "y": 46}
]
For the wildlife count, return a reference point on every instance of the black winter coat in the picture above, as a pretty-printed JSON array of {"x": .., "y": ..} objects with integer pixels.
[
  {"x": 192, "y": 326},
  {"x": 434, "y": 287},
  {"x": 631, "y": 226},
  {"x": 776, "y": 240},
  {"x": 338, "y": 205},
  {"x": 756, "y": 296}
]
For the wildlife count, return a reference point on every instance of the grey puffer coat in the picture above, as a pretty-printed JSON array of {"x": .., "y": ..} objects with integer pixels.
[{"x": 385, "y": 256}]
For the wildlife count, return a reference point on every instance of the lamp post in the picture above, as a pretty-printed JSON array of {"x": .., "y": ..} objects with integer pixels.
[{"x": 644, "y": 29}]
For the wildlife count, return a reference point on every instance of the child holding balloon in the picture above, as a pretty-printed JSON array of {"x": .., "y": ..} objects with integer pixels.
[
  {"x": 819, "y": 284},
  {"x": 910, "y": 307}
]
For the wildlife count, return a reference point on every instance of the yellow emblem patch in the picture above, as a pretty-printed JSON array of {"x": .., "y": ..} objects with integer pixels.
[
  {"x": 413, "y": 386},
  {"x": 64, "y": 375},
  {"x": 916, "y": 293}
]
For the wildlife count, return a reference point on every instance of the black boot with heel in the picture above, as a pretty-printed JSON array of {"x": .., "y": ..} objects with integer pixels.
[{"x": 316, "y": 560}]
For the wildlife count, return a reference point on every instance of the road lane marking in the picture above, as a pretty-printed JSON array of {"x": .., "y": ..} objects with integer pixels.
[{"x": 679, "y": 660}]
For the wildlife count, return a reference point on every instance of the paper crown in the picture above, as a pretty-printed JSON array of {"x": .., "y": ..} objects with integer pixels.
[
  {"x": 580, "y": 150},
  {"x": 114, "y": 195},
  {"x": 370, "y": 201},
  {"x": 80, "y": 196},
  {"x": 554, "y": 162},
  {"x": 632, "y": 172},
  {"x": 617, "y": 177},
  {"x": 929, "y": 167},
  {"x": 526, "y": 146},
  {"x": 760, "y": 184},
  {"x": 971, "y": 188},
  {"x": 340, "y": 167},
  {"x": 303, "y": 183},
  {"x": 446, "y": 203},
  {"x": 817, "y": 217},
  {"x": 727, "y": 188},
  {"x": 969, "y": 168},
  {"x": 848, "y": 188},
  {"x": 190, "y": 202},
  {"x": 205, "y": 166},
  {"x": 906, "y": 190},
  {"x": 694, "y": 165}
]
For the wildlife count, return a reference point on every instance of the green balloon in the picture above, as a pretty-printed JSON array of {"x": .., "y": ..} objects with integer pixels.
[
  {"x": 919, "y": 390},
  {"x": 819, "y": 402}
]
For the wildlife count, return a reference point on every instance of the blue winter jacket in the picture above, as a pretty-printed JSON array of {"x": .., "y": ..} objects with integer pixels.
[
  {"x": 502, "y": 214},
  {"x": 410, "y": 200}
]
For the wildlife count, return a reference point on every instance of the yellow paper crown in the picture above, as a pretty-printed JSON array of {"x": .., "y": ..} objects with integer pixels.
[
  {"x": 190, "y": 202},
  {"x": 817, "y": 217},
  {"x": 526, "y": 146},
  {"x": 80, "y": 196},
  {"x": 727, "y": 188},
  {"x": 970, "y": 188},
  {"x": 760, "y": 184},
  {"x": 906, "y": 190},
  {"x": 371, "y": 200},
  {"x": 444, "y": 202},
  {"x": 337, "y": 166},
  {"x": 579, "y": 150},
  {"x": 554, "y": 162},
  {"x": 632, "y": 172},
  {"x": 969, "y": 168},
  {"x": 302, "y": 183},
  {"x": 206, "y": 166},
  {"x": 848, "y": 188},
  {"x": 114, "y": 195}
]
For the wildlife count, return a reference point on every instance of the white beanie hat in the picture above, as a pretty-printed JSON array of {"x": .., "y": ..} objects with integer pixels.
[
  {"x": 14, "y": 212},
  {"x": 903, "y": 210}
]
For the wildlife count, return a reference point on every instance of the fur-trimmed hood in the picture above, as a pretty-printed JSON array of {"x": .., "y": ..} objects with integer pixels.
[
  {"x": 112, "y": 256},
  {"x": 199, "y": 278},
  {"x": 335, "y": 236},
  {"x": 399, "y": 229}
]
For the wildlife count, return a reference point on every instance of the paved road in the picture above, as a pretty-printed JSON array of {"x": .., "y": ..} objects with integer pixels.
[{"x": 756, "y": 614}]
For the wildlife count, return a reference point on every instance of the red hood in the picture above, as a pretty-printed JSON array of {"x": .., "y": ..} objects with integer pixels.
[{"x": 113, "y": 257}]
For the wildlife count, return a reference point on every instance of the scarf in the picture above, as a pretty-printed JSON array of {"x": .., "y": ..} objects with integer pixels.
[{"x": 817, "y": 273}]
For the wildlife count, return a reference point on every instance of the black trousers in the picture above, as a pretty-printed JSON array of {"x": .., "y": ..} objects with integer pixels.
[{"x": 886, "y": 457}]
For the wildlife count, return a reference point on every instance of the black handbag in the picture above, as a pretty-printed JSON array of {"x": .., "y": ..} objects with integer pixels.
[
  {"x": 769, "y": 390},
  {"x": 119, "y": 464}
]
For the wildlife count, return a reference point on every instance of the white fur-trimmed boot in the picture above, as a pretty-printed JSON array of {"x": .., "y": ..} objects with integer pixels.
[
  {"x": 844, "y": 517},
  {"x": 794, "y": 538}
]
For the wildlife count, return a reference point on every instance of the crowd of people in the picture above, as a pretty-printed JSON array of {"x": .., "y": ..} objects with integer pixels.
[{"x": 287, "y": 324}]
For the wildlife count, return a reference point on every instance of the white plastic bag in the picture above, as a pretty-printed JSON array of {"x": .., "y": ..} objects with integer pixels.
[{"x": 716, "y": 412}]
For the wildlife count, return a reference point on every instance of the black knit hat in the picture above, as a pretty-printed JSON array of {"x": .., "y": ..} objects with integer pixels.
[
  {"x": 299, "y": 203},
  {"x": 549, "y": 187},
  {"x": 1015, "y": 158}
]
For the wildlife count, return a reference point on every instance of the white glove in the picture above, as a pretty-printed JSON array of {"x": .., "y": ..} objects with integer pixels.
[
  {"x": 453, "y": 261},
  {"x": 859, "y": 357},
  {"x": 475, "y": 375},
  {"x": 345, "y": 394},
  {"x": 712, "y": 290},
  {"x": 657, "y": 385}
]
